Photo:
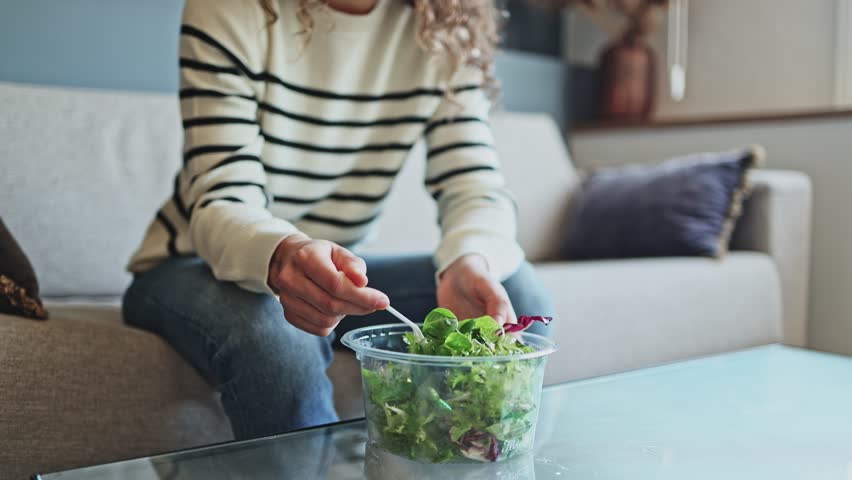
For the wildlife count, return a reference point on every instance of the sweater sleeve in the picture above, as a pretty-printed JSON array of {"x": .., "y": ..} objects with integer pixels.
[
  {"x": 222, "y": 185},
  {"x": 476, "y": 212}
]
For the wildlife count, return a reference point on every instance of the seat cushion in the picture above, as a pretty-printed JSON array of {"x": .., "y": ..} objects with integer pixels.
[
  {"x": 618, "y": 315},
  {"x": 344, "y": 372},
  {"x": 76, "y": 390},
  {"x": 83, "y": 388}
]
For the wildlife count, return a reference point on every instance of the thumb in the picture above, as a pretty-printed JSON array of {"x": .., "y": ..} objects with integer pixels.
[
  {"x": 351, "y": 265},
  {"x": 500, "y": 309}
]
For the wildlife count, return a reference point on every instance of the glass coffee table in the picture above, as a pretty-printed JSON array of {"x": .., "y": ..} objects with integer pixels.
[{"x": 770, "y": 412}]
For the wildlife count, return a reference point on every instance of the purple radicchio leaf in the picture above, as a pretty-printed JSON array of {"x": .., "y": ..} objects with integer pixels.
[
  {"x": 481, "y": 446},
  {"x": 524, "y": 322}
]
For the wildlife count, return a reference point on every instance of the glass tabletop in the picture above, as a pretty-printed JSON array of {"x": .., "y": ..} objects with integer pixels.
[{"x": 771, "y": 412}]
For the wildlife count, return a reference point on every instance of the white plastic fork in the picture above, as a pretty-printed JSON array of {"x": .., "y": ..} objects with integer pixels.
[{"x": 417, "y": 333}]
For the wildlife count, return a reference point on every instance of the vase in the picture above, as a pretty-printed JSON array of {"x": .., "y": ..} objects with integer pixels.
[{"x": 628, "y": 73}]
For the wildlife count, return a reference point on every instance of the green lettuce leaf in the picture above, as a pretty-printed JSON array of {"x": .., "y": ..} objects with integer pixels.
[{"x": 439, "y": 324}]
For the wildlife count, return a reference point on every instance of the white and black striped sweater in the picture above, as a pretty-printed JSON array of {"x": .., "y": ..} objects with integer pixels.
[{"x": 283, "y": 136}]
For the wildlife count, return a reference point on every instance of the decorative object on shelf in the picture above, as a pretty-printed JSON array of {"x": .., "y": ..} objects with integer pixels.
[{"x": 628, "y": 65}]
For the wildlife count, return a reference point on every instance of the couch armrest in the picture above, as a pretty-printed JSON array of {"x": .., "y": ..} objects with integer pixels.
[{"x": 776, "y": 220}]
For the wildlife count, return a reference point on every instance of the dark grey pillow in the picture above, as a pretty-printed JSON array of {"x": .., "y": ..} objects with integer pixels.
[
  {"x": 18, "y": 283},
  {"x": 685, "y": 206}
]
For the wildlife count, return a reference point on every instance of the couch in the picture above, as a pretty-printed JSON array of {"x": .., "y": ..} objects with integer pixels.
[{"x": 83, "y": 170}]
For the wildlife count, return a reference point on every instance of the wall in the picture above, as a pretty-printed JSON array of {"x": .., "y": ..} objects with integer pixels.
[
  {"x": 756, "y": 55},
  {"x": 820, "y": 148},
  {"x": 745, "y": 56},
  {"x": 132, "y": 45},
  {"x": 533, "y": 83},
  {"x": 119, "y": 44},
  {"x": 531, "y": 28}
]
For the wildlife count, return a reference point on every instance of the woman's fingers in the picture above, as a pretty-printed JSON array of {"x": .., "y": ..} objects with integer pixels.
[
  {"x": 498, "y": 305},
  {"x": 302, "y": 324},
  {"x": 318, "y": 283},
  {"x": 293, "y": 305},
  {"x": 353, "y": 266},
  {"x": 322, "y": 271},
  {"x": 324, "y": 303}
]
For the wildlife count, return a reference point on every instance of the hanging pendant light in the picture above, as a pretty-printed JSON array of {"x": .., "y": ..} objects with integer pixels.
[{"x": 678, "y": 33}]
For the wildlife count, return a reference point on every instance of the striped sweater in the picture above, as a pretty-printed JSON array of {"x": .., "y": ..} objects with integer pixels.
[{"x": 283, "y": 136}]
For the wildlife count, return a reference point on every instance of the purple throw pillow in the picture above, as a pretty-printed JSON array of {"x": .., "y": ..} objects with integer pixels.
[{"x": 685, "y": 206}]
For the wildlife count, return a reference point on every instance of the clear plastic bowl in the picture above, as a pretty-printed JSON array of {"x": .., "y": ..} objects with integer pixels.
[{"x": 437, "y": 409}]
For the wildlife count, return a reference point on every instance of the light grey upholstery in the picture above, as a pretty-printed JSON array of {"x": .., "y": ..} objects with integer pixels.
[
  {"x": 651, "y": 311},
  {"x": 536, "y": 167},
  {"x": 777, "y": 220},
  {"x": 82, "y": 388},
  {"x": 82, "y": 173}
]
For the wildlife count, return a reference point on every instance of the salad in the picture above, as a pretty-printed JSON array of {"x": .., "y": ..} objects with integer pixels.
[{"x": 483, "y": 411}]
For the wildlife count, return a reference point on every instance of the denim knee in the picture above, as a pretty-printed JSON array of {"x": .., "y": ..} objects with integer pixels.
[
  {"x": 270, "y": 374},
  {"x": 274, "y": 377},
  {"x": 263, "y": 340}
]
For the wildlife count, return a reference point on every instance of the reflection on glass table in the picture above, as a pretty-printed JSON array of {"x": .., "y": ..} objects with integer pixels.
[{"x": 771, "y": 412}]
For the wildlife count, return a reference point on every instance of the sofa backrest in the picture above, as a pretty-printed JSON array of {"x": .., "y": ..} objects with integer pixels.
[
  {"x": 83, "y": 171},
  {"x": 538, "y": 172}
]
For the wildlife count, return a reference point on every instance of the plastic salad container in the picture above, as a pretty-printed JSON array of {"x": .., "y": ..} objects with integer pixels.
[{"x": 448, "y": 409}]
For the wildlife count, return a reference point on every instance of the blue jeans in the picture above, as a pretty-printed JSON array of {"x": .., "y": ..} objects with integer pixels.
[{"x": 271, "y": 375}]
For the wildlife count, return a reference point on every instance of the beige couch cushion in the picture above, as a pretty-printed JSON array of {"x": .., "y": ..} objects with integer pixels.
[
  {"x": 617, "y": 315},
  {"x": 81, "y": 391},
  {"x": 93, "y": 390}
]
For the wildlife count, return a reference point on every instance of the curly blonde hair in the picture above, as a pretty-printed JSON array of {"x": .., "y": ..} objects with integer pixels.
[{"x": 467, "y": 31}]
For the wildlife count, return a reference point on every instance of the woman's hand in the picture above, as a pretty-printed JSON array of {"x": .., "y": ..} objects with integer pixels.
[
  {"x": 319, "y": 282},
  {"x": 467, "y": 289}
]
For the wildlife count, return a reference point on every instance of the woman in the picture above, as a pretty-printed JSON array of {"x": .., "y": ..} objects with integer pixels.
[{"x": 297, "y": 116}]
